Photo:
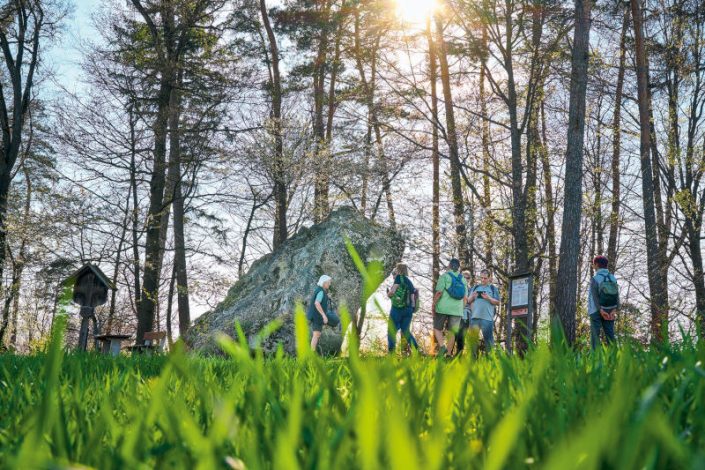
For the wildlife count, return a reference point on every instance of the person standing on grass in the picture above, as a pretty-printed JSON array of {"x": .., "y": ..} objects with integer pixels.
[
  {"x": 483, "y": 300},
  {"x": 603, "y": 302},
  {"x": 404, "y": 297},
  {"x": 320, "y": 310},
  {"x": 465, "y": 321},
  {"x": 447, "y": 306}
]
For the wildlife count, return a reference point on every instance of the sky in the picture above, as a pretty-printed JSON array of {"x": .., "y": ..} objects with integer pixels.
[{"x": 65, "y": 56}]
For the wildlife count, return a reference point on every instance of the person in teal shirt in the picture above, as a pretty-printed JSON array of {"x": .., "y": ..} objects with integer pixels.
[{"x": 447, "y": 307}]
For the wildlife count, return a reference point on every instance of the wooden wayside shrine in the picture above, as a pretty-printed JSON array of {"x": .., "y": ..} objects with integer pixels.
[{"x": 90, "y": 290}]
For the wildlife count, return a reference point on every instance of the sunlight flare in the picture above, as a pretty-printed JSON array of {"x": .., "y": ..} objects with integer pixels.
[{"x": 416, "y": 11}]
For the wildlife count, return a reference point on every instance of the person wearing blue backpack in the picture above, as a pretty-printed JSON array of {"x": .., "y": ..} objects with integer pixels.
[
  {"x": 603, "y": 302},
  {"x": 447, "y": 307}
]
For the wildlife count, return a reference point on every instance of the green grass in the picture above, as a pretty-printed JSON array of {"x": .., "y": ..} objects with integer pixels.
[{"x": 622, "y": 408}]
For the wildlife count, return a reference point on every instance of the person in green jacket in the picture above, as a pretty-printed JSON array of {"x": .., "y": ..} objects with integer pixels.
[{"x": 447, "y": 307}]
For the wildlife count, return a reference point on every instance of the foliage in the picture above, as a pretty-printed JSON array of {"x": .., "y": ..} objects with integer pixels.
[{"x": 618, "y": 408}]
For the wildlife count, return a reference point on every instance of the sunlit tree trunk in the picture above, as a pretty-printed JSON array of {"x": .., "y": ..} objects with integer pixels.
[
  {"x": 566, "y": 300},
  {"x": 452, "y": 137}
]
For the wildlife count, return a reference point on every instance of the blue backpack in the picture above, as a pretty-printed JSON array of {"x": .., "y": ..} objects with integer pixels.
[{"x": 457, "y": 288}]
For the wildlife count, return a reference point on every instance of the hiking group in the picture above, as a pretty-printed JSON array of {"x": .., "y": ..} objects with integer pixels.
[{"x": 459, "y": 310}]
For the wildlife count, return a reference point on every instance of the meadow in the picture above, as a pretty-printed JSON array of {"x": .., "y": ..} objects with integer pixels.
[{"x": 626, "y": 407}]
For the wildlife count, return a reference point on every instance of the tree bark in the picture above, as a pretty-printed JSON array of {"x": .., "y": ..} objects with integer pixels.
[
  {"x": 18, "y": 73},
  {"x": 435, "y": 160},
  {"x": 164, "y": 43},
  {"x": 175, "y": 159},
  {"x": 135, "y": 210},
  {"x": 118, "y": 260},
  {"x": 487, "y": 224},
  {"x": 170, "y": 307},
  {"x": 550, "y": 221},
  {"x": 617, "y": 149},
  {"x": 281, "y": 198},
  {"x": 369, "y": 88},
  {"x": 322, "y": 160},
  {"x": 657, "y": 286},
  {"x": 452, "y": 137},
  {"x": 572, "y": 209}
]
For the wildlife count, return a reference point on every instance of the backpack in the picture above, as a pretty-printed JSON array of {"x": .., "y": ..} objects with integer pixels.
[
  {"x": 457, "y": 288},
  {"x": 608, "y": 292},
  {"x": 400, "y": 298}
]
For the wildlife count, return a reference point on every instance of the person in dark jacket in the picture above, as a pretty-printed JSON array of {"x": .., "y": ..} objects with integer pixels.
[{"x": 320, "y": 310}]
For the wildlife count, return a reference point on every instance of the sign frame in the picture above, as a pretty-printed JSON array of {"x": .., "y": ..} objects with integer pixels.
[{"x": 520, "y": 307}]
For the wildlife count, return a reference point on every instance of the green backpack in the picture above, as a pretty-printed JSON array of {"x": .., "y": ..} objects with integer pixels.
[
  {"x": 608, "y": 291},
  {"x": 400, "y": 298}
]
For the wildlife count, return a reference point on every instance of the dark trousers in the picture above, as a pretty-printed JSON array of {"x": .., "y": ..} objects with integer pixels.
[
  {"x": 460, "y": 337},
  {"x": 597, "y": 323},
  {"x": 400, "y": 319}
]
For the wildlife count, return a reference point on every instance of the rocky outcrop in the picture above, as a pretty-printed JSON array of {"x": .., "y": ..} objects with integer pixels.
[{"x": 277, "y": 281}]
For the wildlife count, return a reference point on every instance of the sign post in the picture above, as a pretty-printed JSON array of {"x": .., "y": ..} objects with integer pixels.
[{"x": 520, "y": 305}]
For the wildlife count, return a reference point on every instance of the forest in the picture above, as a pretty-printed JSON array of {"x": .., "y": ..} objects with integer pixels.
[{"x": 195, "y": 136}]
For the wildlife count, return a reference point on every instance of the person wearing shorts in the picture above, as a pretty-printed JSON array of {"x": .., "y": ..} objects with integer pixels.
[
  {"x": 319, "y": 311},
  {"x": 447, "y": 311}
]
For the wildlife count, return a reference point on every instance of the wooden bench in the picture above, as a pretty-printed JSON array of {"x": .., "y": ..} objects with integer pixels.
[{"x": 153, "y": 342}]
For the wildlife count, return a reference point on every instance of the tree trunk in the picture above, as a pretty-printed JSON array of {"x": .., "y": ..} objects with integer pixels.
[
  {"x": 153, "y": 244},
  {"x": 170, "y": 307},
  {"x": 281, "y": 200},
  {"x": 617, "y": 148},
  {"x": 487, "y": 224},
  {"x": 456, "y": 184},
  {"x": 118, "y": 259},
  {"x": 657, "y": 286},
  {"x": 436, "y": 215},
  {"x": 20, "y": 50},
  {"x": 322, "y": 160},
  {"x": 22, "y": 256},
  {"x": 572, "y": 208},
  {"x": 597, "y": 186},
  {"x": 175, "y": 159},
  {"x": 550, "y": 221},
  {"x": 182, "y": 291},
  {"x": 135, "y": 210},
  {"x": 368, "y": 86}
]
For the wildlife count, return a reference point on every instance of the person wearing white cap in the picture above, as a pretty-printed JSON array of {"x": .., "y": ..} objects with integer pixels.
[{"x": 319, "y": 311}]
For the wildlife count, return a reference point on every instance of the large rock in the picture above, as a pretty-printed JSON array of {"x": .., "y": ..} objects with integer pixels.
[{"x": 277, "y": 281}]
